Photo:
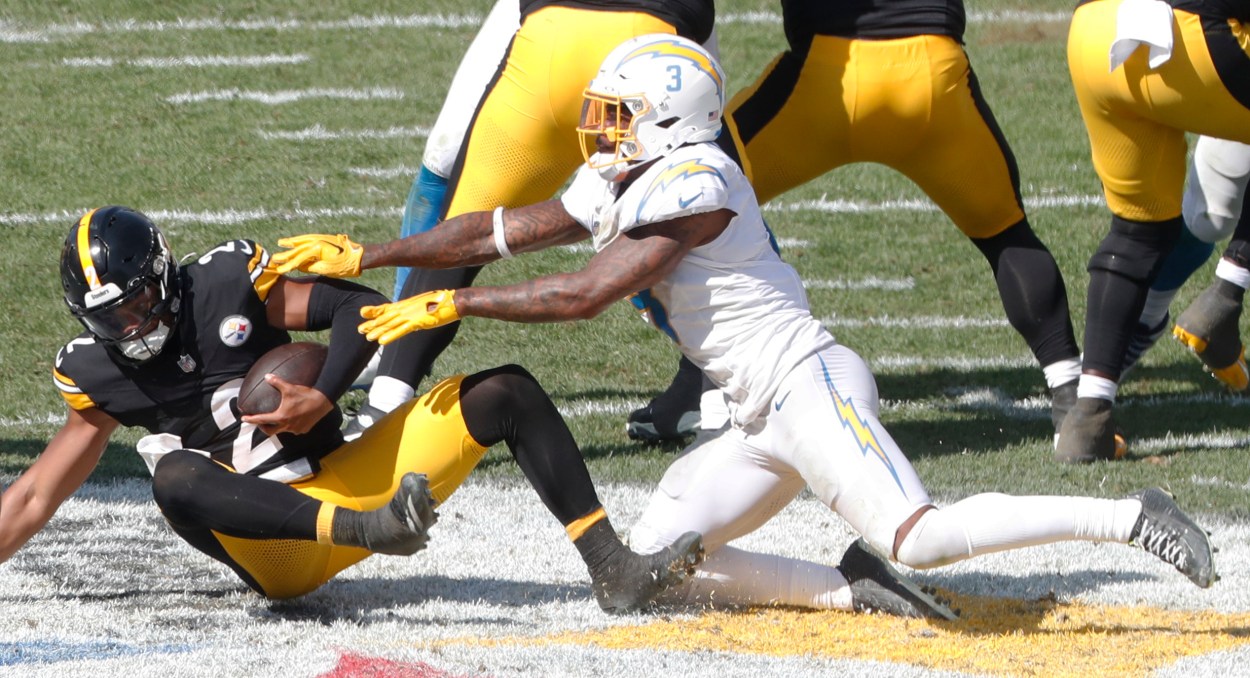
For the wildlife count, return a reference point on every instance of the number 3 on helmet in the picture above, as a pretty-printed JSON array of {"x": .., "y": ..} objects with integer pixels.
[
  {"x": 653, "y": 94},
  {"x": 120, "y": 281}
]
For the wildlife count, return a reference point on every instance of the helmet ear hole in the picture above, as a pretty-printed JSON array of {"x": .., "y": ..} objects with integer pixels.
[{"x": 665, "y": 124}]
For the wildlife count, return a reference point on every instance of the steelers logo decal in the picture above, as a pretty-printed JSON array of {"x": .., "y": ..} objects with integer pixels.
[{"x": 235, "y": 330}]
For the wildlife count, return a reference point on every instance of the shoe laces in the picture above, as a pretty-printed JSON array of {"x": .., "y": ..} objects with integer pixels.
[{"x": 1163, "y": 541}]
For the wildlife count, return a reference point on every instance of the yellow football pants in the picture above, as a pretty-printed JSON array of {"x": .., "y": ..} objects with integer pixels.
[
  {"x": 427, "y": 435},
  {"x": 1137, "y": 117}
]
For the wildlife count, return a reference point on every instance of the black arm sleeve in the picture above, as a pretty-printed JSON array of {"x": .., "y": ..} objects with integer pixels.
[{"x": 335, "y": 305}]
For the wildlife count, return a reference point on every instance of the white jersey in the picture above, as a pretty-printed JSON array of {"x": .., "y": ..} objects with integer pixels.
[{"x": 735, "y": 308}]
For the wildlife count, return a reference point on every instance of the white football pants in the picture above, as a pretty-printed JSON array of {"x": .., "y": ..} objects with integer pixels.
[
  {"x": 822, "y": 431},
  {"x": 1215, "y": 188}
]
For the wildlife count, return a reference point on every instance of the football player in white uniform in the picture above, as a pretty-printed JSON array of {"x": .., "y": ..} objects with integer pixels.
[{"x": 670, "y": 214}]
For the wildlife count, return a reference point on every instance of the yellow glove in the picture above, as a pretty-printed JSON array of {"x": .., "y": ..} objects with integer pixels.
[
  {"x": 333, "y": 255},
  {"x": 426, "y": 311}
]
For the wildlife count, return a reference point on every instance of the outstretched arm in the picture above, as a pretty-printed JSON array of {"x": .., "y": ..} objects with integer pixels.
[
  {"x": 28, "y": 504},
  {"x": 634, "y": 261},
  {"x": 466, "y": 240}
]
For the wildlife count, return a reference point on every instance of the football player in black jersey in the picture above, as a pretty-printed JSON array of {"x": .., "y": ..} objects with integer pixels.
[
  {"x": 1146, "y": 72},
  {"x": 287, "y": 507}
]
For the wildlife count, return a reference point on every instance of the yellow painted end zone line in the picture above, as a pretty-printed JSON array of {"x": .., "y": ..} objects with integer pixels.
[{"x": 994, "y": 636}]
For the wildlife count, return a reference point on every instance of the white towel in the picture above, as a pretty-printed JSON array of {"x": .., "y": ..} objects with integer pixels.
[{"x": 1142, "y": 22}]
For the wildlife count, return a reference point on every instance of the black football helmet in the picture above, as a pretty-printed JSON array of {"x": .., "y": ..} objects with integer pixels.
[{"x": 121, "y": 281}]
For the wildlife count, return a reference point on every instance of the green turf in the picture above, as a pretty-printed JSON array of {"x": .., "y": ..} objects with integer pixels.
[{"x": 76, "y": 137}]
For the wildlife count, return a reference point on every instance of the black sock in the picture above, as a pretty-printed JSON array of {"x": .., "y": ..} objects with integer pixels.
[{"x": 599, "y": 545}]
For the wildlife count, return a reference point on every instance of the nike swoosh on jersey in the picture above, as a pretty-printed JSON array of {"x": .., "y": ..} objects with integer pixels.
[
  {"x": 683, "y": 204},
  {"x": 778, "y": 405}
]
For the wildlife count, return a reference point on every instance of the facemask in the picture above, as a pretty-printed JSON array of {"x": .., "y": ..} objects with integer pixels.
[{"x": 147, "y": 346}]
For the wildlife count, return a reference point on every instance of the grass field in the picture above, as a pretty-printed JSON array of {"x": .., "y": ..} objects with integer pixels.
[
  {"x": 271, "y": 118},
  {"x": 274, "y": 117}
]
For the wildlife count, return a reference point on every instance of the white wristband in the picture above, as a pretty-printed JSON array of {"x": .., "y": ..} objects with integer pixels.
[{"x": 501, "y": 243}]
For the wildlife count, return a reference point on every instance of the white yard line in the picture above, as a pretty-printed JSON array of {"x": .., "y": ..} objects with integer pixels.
[
  {"x": 923, "y": 322},
  {"x": 190, "y": 61},
  {"x": 15, "y": 33},
  {"x": 906, "y": 363},
  {"x": 217, "y": 217},
  {"x": 385, "y": 172},
  {"x": 320, "y": 133},
  {"x": 286, "y": 96},
  {"x": 840, "y": 206},
  {"x": 869, "y": 283}
]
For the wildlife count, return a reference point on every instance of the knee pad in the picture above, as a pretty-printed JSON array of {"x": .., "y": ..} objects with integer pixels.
[
  {"x": 495, "y": 402},
  {"x": 1135, "y": 249},
  {"x": 172, "y": 481},
  {"x": 498, "y": 386}
]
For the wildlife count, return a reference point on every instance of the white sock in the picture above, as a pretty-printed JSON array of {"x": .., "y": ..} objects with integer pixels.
[
  {"x": 1096, "y": 387},
  {"x": 1061, "y": 372},
  {"x": 388, "y": 393},
  {"x": 990, "y": 522},
  {"x": 1227, "y": 270},
  {"x": 730, "y": 576}
]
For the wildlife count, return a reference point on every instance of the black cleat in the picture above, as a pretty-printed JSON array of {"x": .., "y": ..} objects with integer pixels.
[
  {"x": 1062, "y": 398},
  {"x": 1088, "y": 434},
  {"x": 401, "y": 528},
  {"x": 630, "y": 582},
  {"x": 674, "y": 414},
  {"x": 877, "y": 587},
  {"x": 1165, "y": 531},
  {"x": 1209, "y": 328},
  {"x": 643, "y": 425}
]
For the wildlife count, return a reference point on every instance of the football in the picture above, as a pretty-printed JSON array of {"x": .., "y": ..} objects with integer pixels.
[{"x": 298, "y": 362}]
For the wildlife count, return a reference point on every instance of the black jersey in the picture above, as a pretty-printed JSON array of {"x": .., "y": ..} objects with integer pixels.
[
  {"x": 1210, "y": 9},
  {"x": 691, "y": 18},
  {"x": 871, "y": 19},
  {"x": 189, "y": 391}
]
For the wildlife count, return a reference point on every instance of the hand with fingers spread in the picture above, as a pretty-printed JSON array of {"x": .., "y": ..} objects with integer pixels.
[
  {"x": 334, "y": 255},
  {"x": 388, "y": 322}
]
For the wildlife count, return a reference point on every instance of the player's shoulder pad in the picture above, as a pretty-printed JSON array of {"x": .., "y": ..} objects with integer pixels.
[
  {"x": 245, "y": 256},
  {"x": 681, "y": 185},
  {"x": 78, "y": 362}
]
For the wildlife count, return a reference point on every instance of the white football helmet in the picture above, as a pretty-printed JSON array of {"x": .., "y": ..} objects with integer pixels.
[{"x": 652, "y": 94}]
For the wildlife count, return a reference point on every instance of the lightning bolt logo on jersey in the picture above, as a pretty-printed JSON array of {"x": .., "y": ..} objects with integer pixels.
[
  {"x": 186, "y": 395},
  {"x": 859, "y": 429}
]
